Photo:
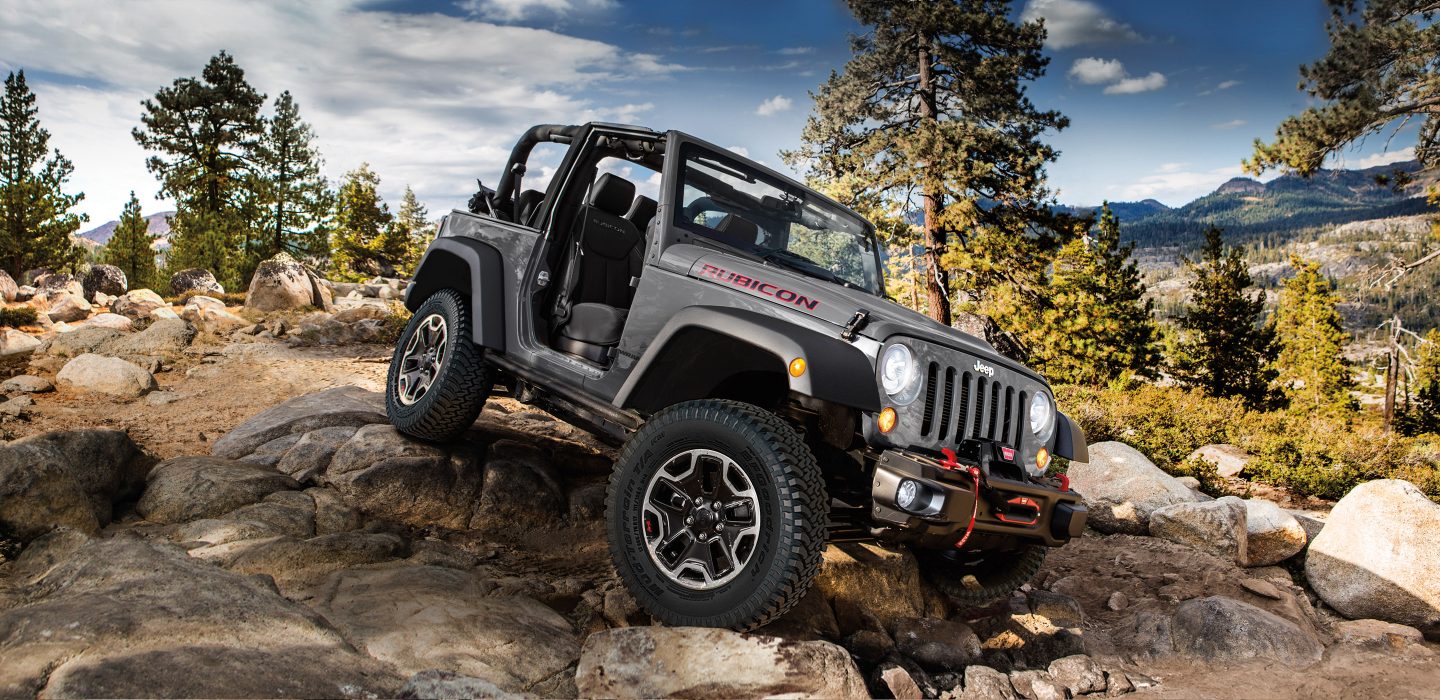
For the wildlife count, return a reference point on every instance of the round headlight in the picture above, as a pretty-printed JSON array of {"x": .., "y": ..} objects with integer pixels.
[
  {"x": 899, "y": 374},
  {"x": 1042, "y": 416}
]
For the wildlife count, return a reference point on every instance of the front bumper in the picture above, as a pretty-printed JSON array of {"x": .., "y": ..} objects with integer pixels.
[{"x": 1007, "y": 508}]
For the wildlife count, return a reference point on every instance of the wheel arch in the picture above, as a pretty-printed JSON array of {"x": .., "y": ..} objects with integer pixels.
[
  {"x": 717, "y": 352},
  {"x": 473, "y": 268}
]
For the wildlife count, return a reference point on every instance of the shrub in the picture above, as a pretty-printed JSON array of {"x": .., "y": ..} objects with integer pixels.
[
  {"x": 16, "y": 316},
  {"x": 395, "y": 322}
]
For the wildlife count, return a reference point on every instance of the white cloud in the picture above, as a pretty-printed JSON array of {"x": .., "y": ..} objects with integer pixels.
[
  {"x": 1227, "y": 85},
  {"x": 1075, "y": 22},
  {"x": 774, "y": 105},
  {"x": 428, "y": 100},
  {"x": 518, "y": 10},
  {"x": 1130, "y": 86},
  {"x": 1233, "y": 123},
  {"x": 742, "y": 151},
  {"x": 796, "y": 51},
  {"x": 1175, "y": 184},
  {"x": 1376, "y": 160},
  {"x": 1097, "y": 71}
]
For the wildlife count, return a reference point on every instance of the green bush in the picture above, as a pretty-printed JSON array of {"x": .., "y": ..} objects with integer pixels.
[
  {"x": 16, "y": 316},
  {"x": 1311, "y": 456},
  {"x": 395, "y": 322}
]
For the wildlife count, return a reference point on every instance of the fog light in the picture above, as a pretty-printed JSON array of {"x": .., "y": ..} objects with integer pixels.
[
  {"x": 907, "y": 494},
  {"x": 797, "y": 366},
  {"x": 887, "y": 420},
  {"x": 1042, "y": 459}
]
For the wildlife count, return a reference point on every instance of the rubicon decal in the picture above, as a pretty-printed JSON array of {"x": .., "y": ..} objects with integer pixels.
[{"x": 761, "y": 286}]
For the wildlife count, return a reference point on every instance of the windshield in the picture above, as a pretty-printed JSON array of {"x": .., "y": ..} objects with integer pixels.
[{"x": 724, "y": 200}]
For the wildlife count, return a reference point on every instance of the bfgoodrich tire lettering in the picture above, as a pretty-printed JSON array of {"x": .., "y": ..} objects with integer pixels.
[
  {"x": 458, "y": 381},
  {"x": 792, "y": 506}
]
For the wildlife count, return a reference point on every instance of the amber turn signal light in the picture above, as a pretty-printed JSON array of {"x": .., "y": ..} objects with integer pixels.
[
  {"x": 797, "y": 366},
  {"x": 887, "y": 420},
  {"x": 1042, "y": 459}
]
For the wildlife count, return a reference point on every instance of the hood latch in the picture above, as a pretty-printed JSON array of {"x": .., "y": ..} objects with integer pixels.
[{"x": 853, "y": 326}]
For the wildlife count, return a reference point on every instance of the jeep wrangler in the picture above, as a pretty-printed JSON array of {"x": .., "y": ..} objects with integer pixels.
[{"x": 729, "y": 326}]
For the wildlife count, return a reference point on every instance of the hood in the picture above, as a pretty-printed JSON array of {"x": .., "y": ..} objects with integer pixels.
[{"x": 836, "y": 304}]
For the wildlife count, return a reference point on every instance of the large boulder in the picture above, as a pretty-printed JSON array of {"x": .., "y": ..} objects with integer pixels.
[
  {"x": 71, "y": 478},
  {"x": 123, "y": 617},
  {"x": 166, "y": 337},
  {"x": 1217, "y": 526},
  {"x": 428, "y": 617},
  {"x": 81, "y": 341},
  {"x": 105, "y": 279},
  {"x": 194, "y": 280},
  {"x": 1272, "y": 534},
  {"x": 389, "y": 475},
  {"x": 210, "y": 315},
  {"x": 108, "y": 320},
  {"x": 666, "y": 662},
  {"x": 1229, "y": 460},
  {"x": 1226, "y": 630},
  {"x": 341, "y": 406},
  {"x": 66, "y": 306},
  {"x": 190, "y": 488},
  {"x": 13, "y": 342},
  {"x": 8, "y": 289},
  {"x": 1377, "y": 556},
  {"x": 105, "y": 375},
  {"x": 282, "y": 283},
  {"x": 53, "y": 283},
  {"x": 1122, "y": 488},
  {"x": 137, "y": 304},
  {"x": 938, "y": 645},
  {"x": 869, "y": 585}
]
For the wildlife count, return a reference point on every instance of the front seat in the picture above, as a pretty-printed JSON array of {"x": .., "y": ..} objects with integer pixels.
[
  {"x": 642, "y": 210},
  {"x": 595, "y": 297},
  {"x": 526, "y": 205}
]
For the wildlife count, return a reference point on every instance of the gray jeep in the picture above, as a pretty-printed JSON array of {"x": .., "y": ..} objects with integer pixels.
[{"x": 730, "y": 328}]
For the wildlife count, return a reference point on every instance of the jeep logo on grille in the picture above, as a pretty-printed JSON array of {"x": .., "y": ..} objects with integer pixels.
[{"x": 984, "y": 369}]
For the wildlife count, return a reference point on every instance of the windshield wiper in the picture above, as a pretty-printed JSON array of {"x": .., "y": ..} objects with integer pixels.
[{"x": 800, "y": 263}]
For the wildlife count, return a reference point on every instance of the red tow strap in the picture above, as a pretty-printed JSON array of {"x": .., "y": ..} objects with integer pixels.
[{"x": 950, "y": 462}]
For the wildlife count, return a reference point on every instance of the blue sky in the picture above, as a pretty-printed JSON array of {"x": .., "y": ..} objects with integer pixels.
[{"x": 1164, "y": 97}]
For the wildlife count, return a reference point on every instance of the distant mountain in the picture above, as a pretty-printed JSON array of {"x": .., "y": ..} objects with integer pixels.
[
  {"x": 1274, "y": 212},
  {"x": 1127, "y": 211},
  {"x": 158, "y": 224}
]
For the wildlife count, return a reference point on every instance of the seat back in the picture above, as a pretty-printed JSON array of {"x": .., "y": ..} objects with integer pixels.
[
  {"x": 526, "y": 206},
  {"x": 641, "y": 212},
  {"x": 605, "y": 254}
]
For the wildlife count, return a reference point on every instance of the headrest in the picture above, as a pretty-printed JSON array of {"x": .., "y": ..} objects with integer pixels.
[
  {"x": 642, "y": 210},
  {"x": 739, "y": 229},
  {"x": 525, "y": 205},
  {"x": 612, "y": 194}
]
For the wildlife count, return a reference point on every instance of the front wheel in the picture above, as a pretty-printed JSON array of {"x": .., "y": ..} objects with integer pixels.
[
  {"x": 976, "y": 579},
  {"x": 438, "y": 380},
  {"x": 716, "y": 515}
]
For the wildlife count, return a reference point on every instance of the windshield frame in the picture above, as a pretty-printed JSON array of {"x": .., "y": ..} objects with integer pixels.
[{"x": 693, "y": 149}]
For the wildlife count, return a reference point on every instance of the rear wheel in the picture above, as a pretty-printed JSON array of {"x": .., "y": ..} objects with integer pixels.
[
  {"x": 716, "y": 515},
  {"x": 438, "y": 380},
  {"x": 979, "y": 578}
]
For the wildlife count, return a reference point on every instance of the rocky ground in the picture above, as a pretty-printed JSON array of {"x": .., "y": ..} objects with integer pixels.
[{"x": 237, "y": 519}]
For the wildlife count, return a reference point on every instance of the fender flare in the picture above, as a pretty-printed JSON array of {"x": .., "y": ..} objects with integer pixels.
[
  {"x": 836, "y": 371},
  {"x": 1070, "y": 440},
  {"x": 473, "y": 268}
]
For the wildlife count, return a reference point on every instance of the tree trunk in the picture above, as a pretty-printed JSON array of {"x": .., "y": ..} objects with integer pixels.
[
  {"x": 1392, "y": 373},
  {"x": 937, "y": 281}
]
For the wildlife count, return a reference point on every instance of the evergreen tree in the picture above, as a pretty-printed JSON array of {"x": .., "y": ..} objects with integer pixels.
[
  {"x": 404, "y": 240},
  {"x": 1098, "y": 327},
  {"x": 203, "y": 132},
  {"x": 1312, "y": 373},
  {"x": 361, "y": 219},
  {"x": 36, "y": 223},
  {"x": 1225, "y": 350},
  {"x": 1422, "y": 415},
  {"x": 933, "y": 104},
  {"x": 132, "y": 247},
  {"x": 1383, "y": 66},
  {"x": 296, "y": 202}
]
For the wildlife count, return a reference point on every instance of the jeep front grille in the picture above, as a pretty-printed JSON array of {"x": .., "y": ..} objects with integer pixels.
[{"x": 986, "y": 409}]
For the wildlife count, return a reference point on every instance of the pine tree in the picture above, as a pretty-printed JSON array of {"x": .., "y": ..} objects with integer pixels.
[
  {"x": 295, "y": 200},
  {"x": 203, "y": 132},
  {"x": 132, "y": 247},
  {"x": 933, "y": 104},
  {"x": 1098, "y": 327},
  {"x": 1422, "y": 415},
  {"x": 1383, "y": 66},
  {"x": 405, "y": 238},
  {"x": 1311, "y": 370},
  {"x": 361, "y": 219},
  {"x": 1225, "y": 350},
  {"x": 36, "y": 223}
]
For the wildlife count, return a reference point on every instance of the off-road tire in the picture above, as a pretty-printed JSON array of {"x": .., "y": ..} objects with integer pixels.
[
  {"x": 1000, "y": 575},
  {"x": 793, "y": 507},
  {"x": 459, "y": 390}
]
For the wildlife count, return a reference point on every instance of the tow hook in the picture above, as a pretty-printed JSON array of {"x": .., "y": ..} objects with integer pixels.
[{"x": 950, "y": 462}]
